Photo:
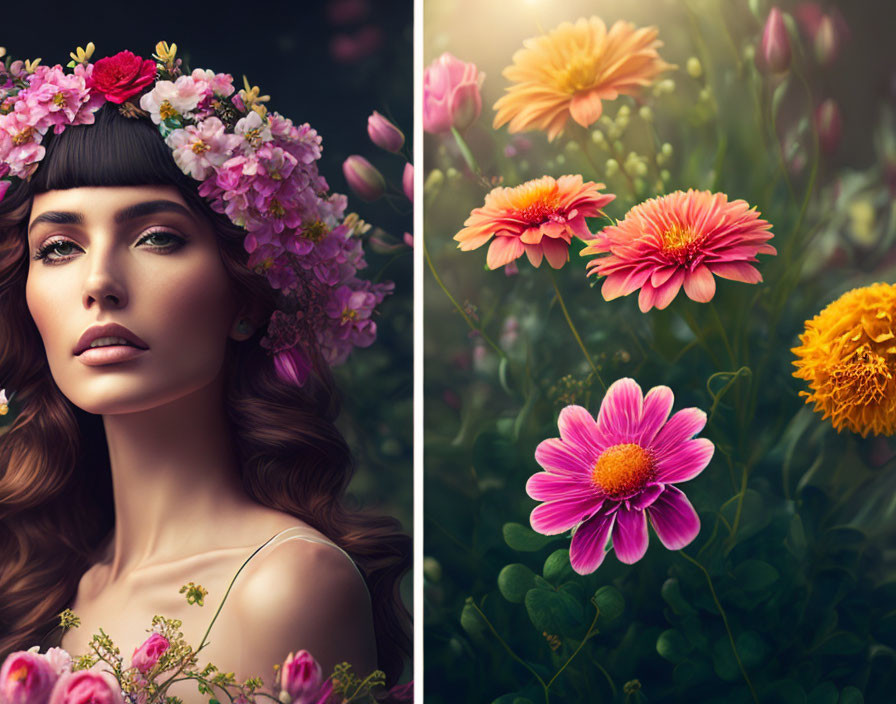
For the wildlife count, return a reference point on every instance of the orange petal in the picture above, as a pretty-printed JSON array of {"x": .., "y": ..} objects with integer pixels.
[{"x": 586, "y": 108}]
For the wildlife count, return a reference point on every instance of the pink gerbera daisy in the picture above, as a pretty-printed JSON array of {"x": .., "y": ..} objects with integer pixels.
[
  {"x": 605, "y": 477},
  {"x": 539, "y": 217},
  {"x": 679, "y": 239}
]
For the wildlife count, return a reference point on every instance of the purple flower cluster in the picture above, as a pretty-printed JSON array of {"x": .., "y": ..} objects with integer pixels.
[{"x": 255, "y": 166}]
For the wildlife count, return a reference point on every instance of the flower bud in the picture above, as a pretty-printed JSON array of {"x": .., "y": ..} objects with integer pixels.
[
  {"x": 829, "y": 125},
  {"x": 774, "y": 49},
  {"x": 300, "y": 676},
  {"x": 147, "y": 655},
  {"x": 451, "y": 95},
  {"x": 363, "y": 178},
  {"x": 26, "y": 677},
  {"x": 695, "y": 69},
  {"x": 826, "y": 43},
  {"x": 383, "y": 133},
  {"x": 292, "y": 366},
  {"x": 407, "y": 181}
]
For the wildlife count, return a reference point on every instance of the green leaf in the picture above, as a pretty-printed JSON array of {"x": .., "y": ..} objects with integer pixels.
[
  {"x": 884, "y": 629},
  {"x": 723, "y": 661},
  {"x": 557, "y": 567},
  {"x": 825, "y": 693},
  {"x": 755, "y": 575},
  {"x": 751, "y": 648},
  {"x": 472, "y": 622},
  {"x": 754, "y": 516},
  {"x": 796, "y": 537},
  {"x": 851, "y": 695},
  {"x": 524, "y": 539},
  {"x": 784, "y": 692},
  {"x": 514, "y": 581},
  {"x": 553, "y": 612},
  {"x": 671, "y": 593},
  {"x": 611, "y": 604},
  {"x": 493, "y": 453},
  {"x": 673, "y": 646},
  {"x": 844, "y": 538},
  {"x": 841, "y": 643}
]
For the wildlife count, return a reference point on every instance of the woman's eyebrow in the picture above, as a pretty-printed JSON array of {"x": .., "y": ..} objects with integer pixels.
[{"x": 132, "y": 212}]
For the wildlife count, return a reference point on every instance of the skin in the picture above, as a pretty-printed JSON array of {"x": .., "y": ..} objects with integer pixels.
[{"x": 181, "y": 514}]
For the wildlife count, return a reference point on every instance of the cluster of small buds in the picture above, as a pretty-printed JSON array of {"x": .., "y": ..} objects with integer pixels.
[
  {"x": 664, "y": 154},
  {"x": 664, "y": 87},
  {"x": 635, "y": 164}
]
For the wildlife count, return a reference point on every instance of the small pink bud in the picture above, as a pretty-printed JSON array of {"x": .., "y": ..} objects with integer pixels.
[
  {"x": 827, "y": 43},
  {"x": 147, "y": 655},
  {"x": 26, "y": 677},
  {"x": 829, "y": 125},
  {"x": 407, "y": 181},
  {"x": 408, "y": 239},
  {"x": 301, "y": 677},
  {"x": 774, "y": 50},
  {"x": 466, "y": 104},
  {"x": 363, "y": 178},
  {"x": 451, "y": 94},
  {"x": 292, "y": 366},
  {"x": 383, "y": 133}
]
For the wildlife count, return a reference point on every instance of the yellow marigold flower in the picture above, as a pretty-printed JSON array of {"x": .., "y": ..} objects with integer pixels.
[
  {"x": 567, "y": 72},
  {"x": 848, "y": 356}
]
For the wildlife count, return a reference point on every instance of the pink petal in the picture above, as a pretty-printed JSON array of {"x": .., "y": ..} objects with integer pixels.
[
  {"x": 544, "y": 486},
  {"x": 556, "y": 251},
  {"x": 657, "y": 406},
  {"x": 646, "y": 297},
  {"x": 620, "y": 411},
  {"x": 646, "y": 497},
  {"x": 588, "y": 547},
  {"x": 585, "y": 108},
  {"x": 736, "y": 271},
  {"x": 560, "y": 457},
  {"x": 535, "y": 255},
  {"x": 684, "y": 461},
  {"x": 700, "y": 285},
  {"x": 665, "y": 294},
  {"x": 559, "y": 516},
  {"x": 682, "y": 426},
  {"x": 674, "y": 519},
  {"x": 577, "y": 427},
  {"x": 503, "y": 250},
  {"x": 630, "y": 535}
]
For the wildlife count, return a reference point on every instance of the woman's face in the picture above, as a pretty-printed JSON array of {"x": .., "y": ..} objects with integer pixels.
[{"x": 136, "y": 257}]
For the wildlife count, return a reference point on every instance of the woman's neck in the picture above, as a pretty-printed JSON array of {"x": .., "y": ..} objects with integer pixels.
[{"x": 175, "y": 481}]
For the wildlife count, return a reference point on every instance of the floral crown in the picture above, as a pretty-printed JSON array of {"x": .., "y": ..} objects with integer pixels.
[{"x": 253, "y": 165}]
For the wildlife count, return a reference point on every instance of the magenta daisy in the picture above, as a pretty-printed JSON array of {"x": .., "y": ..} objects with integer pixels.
[
  {"x": 605, "y": 477},
  {"x": 679, "y": 239}
]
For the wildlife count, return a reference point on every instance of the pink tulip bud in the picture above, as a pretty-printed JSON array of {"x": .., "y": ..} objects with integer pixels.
[
  {"x": 407, "y": 181},
  {"x": 826, "y": 42},
  {"x": 363, "y": 178},
  {"x": 93, "y": 685},
  {"x": 26, "y": 677},
  {"x": 408, "y": 239},
  {"x": 301, "y": 677},
  {"x": 383, "y": 133},
  {"x": 829, "y": 125},
  {"x": 292, "y": 366},
  {"x": 147, "y": 655},
  {"x": 774, "y": 50},
  {"x": 451, "y": 94}
]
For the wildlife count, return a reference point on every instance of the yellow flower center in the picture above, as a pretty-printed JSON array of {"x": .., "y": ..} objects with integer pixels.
[
  {"x": 315, "y": 231},
  {"x": 59, "y": 100},
  {"x": 199, "y": 146},
  {"x": 536, "y": 202},
  {"x": 678, "y": 239},
  {"x": 578, "y": 73},
  {"x": 167, "y": 111},
  {"x": 349, "y": 315},
  {"x": 253, "y": 137},
  {"x": 23, "y": 137},
  {"x": 862, "y": 379},
  {"x": 277, "y": 210},
  {"x": 622, "y": 469}
]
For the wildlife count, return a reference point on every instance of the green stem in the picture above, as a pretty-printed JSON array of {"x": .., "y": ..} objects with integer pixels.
[
  {"x": 467, "y": 154},
  {"x": 575, "y": 332},
  {"x": 718, "y": 604},
  {"x": 740, "y": 502},
  {"x": 724, "y": 334},
  {"x": 459, "y": 308},
  {"x": 588, "y": 634},
  {"x": 692, "y": 324},
  {"x": 509, "y": 650}
]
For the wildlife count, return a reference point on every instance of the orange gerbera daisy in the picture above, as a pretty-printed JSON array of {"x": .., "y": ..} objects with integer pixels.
[
  {"x": 567, "y": 72},
  {"x": 848, "y": 356},
  {"x": 680, "y": 239},
  {"x": 538, "y": 217}
]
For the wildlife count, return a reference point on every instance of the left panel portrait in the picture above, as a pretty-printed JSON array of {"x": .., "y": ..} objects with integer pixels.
[{"x": 205, "y": 354}]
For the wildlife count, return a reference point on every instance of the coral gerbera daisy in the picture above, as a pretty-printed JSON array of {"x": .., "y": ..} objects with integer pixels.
[
  {"x": 605, "y": 477},
  {"x": 567, "y": 72},
  {"x": 538, "y": 217},
  {"x": 848, "y": 356},
  {"x": 679, "y": 238}
]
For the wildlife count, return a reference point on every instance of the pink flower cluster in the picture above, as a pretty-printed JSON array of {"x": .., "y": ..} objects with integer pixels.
[
  {"x": 29, "y": 677},
  {"x": 254, "y": 166}
]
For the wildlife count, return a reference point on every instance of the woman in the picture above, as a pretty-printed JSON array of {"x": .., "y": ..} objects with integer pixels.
[{"x": 175, "y": 404}]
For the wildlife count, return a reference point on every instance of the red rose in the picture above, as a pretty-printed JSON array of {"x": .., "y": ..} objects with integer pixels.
[{"x": 121, "y": 76}]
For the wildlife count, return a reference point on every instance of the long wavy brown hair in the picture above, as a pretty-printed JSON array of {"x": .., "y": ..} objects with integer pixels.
[{"x": 56, "y": 506}]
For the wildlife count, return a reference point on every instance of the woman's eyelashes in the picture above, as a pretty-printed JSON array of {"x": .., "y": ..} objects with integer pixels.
[{"x": 59, "y": 250}]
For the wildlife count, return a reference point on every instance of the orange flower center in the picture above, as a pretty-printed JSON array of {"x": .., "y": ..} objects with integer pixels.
[
  {"x": 23, "y": 137},
  {"x": 348, "y": 315},
  {"x": 579, "y": 73},
  {"x": 536, "y": 202},
  {"x": 199, "y": 147},
  {"x": 59, "y": 100},
  {"x": 20, "y": 674},
  {"x": 680, "y": 242},
  {"x": 622, "y": 469},
  {"x": 862, "y": 379},
  {"x": 167, "y": 111}
]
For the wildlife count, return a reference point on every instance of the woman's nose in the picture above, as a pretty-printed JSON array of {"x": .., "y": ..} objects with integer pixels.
[{"x": 103, "y": 285}]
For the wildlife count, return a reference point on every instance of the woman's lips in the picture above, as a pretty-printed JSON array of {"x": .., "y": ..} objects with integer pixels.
[{"x": 111, "y": 354}]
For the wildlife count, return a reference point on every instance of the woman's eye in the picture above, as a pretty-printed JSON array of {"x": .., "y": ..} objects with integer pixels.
[
  {"x": 56, "y": 251},
  {"x": 162, "y": 240}
]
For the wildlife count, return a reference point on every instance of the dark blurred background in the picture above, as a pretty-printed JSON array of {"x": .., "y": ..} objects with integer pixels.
[{"x": 327, "y": 63}]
